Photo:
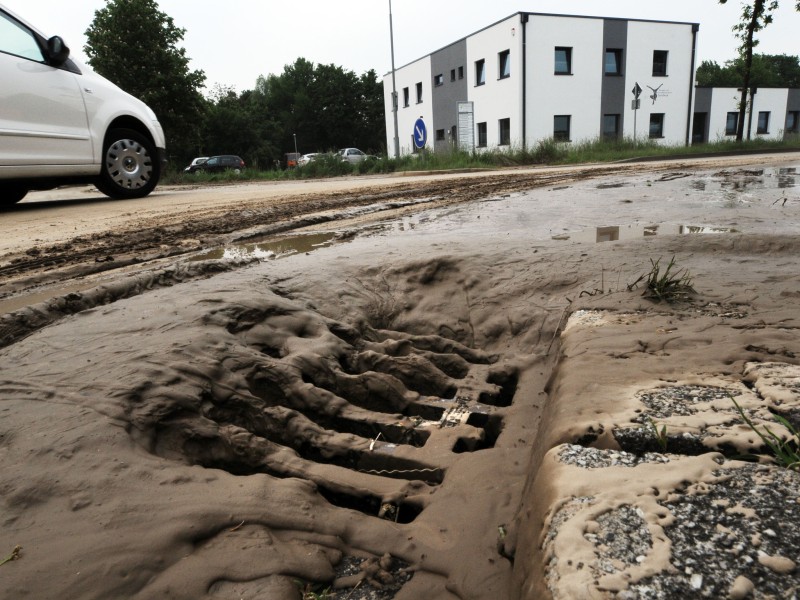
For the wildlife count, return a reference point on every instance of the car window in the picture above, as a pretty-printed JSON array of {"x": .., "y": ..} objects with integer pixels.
[
  {"x": 212, "y": 161},
  {"x": 16, "y": 40}
]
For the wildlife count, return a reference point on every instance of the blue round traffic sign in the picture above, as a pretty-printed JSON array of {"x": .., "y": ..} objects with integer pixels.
[{"x": 420, "y": 133}]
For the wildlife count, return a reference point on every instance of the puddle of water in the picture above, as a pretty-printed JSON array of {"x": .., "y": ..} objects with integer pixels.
[
  {"x": 615, "y": 233},
  {"x": 272, "y": 248}
]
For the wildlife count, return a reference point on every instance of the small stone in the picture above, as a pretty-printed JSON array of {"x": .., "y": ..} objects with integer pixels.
[{"x": 696, "y": 581}]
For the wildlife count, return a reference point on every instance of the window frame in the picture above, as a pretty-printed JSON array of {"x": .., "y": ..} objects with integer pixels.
[
  {"x": 480, "y": 72},
  {"x": 482, "y": 137},
  {"x": 728, "y": 129},
  {"x": 452, "y": 74},
  {"x": 660, "y": 123},
  {"x": 794, "y": 115},
  {"x": 438, "y": 80},
  {"x": 504, "y": 64},
  {"x": 617, "y": 54},
  {"x": 616, "y": 134},
  {"x": 662, "y": 65},
  {"x": 562, "y": 134},
  {"x": 419, "y": 92},
  {"x": 504, "y": 132},
  {"x": 765, "y": 128},
  {"x": 567, "y": 50},
  {"x": 406, "y": 98},
  {"x": 439, "y": 136},
  {"x": 461, "y": 72}
]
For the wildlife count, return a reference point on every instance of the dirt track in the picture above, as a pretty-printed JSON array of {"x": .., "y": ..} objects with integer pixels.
[{"x": 56, "y": 236}]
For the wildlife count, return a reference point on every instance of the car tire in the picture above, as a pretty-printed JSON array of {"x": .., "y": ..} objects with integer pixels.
[
  {"x": 11, "y": 194},
  {"x": 130, "y": 166}
]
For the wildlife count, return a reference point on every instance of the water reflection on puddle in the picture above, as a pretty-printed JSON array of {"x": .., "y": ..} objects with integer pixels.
[
  {"x": 273, "y": 248},
  {"x": 616, "y": 233}
]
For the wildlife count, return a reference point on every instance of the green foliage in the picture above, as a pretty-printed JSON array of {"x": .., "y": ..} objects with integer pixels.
[
  {"x": 786, "y": 452},
  {"x": 136, "y": 46},
  {"x": 669, "y": 286},
  {"x": 767, "y": 70},
  {"x": 659, "y": 434}
]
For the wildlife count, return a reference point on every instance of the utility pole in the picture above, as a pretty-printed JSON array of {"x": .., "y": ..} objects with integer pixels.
[{"x": 394, "y": 86}]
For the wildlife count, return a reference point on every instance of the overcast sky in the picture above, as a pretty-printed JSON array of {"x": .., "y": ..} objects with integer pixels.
[{"x": 235, "y": 41}]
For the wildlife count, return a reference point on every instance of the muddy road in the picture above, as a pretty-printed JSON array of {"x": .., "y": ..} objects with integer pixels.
[{"x": 58, "y": 236}]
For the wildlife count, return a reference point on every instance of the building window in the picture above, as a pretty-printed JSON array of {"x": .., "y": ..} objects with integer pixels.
[
  {"x": 613, "y": 64},
  {"x": 439, "y": 135},
  {"x": 660, "y": 63},
  {"x": 452, "y": 74},
  {"x": 793, "y": 121},
  {"x": 505, "y": 131},
  {"x": 504, "y": 59},
  {"x": 763, "y": 122},
  {"x": 405, "y": 96},
  {"x": 563, "y": 61},
  {"x": 610, "y": 127},
  {"x": 732, "y": 123},
  {"x": 438, "y": 80},
  {"x": 561, "y": 125},
  {"x": 480, "y": 72},
  {"x": 481, "y": 135},
  {"x": 461, "y": 72},
  {"x": 657, "y": 125},
  {"x": 419, "y": 93}
]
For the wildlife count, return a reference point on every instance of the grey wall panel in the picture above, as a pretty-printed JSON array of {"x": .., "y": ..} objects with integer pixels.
[
  {"x": 612, "y": 101},
  {"x": 447, "y": 95}
]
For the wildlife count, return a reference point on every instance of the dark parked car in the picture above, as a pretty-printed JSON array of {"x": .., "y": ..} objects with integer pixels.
[{"x": 216, "y": 164}]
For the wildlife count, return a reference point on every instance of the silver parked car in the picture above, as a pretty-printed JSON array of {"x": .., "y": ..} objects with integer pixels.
[{"x": 354, "y": 155}]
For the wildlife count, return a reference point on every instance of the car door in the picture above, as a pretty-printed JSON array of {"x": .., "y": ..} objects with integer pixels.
[{"x": 42, "y": 112}]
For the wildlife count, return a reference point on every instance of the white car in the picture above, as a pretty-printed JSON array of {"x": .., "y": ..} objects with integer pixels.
[
  {"x": 62, "y": 123},
  {"x": 196, "y": 161},
  {"x": 354, "y": 155},
  {"x": 306, "y": 158}
]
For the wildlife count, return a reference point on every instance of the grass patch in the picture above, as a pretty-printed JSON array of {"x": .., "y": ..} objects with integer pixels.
[
  {"x": 545, "y": 152},
  {"x": 785, "y": 452},
  {"x": 670, "y": 285},
  {"x": 659, "y": 434}
]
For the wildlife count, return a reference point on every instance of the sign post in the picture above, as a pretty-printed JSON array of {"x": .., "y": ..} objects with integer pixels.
[
  {"x": 636, "y": 91},
  {"x": 420, "y": 134}
]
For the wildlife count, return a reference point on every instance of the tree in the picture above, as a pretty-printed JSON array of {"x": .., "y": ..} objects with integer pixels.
[
  {"x": 136, "y": 46},
  {"x": 767, "y": 70},
  {"x": 755, "y": 17}
]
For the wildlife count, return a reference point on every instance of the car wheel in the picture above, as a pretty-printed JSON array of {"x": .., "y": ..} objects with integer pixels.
[
  {"x": 11, "y": 194},
  {"x": 130, "y": 166}
]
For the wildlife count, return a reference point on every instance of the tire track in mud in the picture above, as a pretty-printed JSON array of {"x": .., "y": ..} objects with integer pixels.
[{"x": 373, "y": 419}]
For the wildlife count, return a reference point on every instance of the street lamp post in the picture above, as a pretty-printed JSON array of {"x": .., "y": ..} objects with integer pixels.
[
  {"x": 394, "y": 86},
  {"x": 294, "y": 135}
]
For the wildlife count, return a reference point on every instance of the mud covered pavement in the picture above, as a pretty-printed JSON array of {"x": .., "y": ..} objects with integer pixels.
[{"x": 445, "y": 394}]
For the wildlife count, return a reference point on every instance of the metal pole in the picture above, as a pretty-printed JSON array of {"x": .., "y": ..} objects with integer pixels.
[
  {"x": 394, "y": 86},
  {"x": 294, "y": 135}
]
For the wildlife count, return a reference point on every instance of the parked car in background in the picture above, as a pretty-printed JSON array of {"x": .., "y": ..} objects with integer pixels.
[
  {"x": 290, "y": 160},
  {"x": 62, "y": 123},
  {"x": 307, "y": 158},
  {"x": 354, "y": 155},
  {"x": 217, "y": 164},
  {"x": 196, "y": 161}
]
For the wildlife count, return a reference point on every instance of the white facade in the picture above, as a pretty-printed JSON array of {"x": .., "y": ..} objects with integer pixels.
[
  {"x": 537, "y": 97},
  {"x": 415, "y": 77},
  {"x": 774, "y": 114}
]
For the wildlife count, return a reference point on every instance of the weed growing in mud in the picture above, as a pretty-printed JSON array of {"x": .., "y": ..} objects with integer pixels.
[
  {"x": 312, "y": 591},
  {"x": 13, "y": 556},
  {"x": 660, "y": 434},
  {"x": 785, "y": 452},
  {"x": 671, "y": 285}
]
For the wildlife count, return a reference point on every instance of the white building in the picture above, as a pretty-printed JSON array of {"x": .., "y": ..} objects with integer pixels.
[
  {"x": 533, "y": 76},
  {"x": 772, "y": 113}
]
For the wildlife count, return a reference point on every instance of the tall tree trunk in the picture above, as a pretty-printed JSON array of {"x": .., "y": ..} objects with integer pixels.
[{"x": 758, "y": 11}]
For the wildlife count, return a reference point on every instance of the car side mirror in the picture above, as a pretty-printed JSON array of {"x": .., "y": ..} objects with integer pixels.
[{"x": 57, "y": 51}]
